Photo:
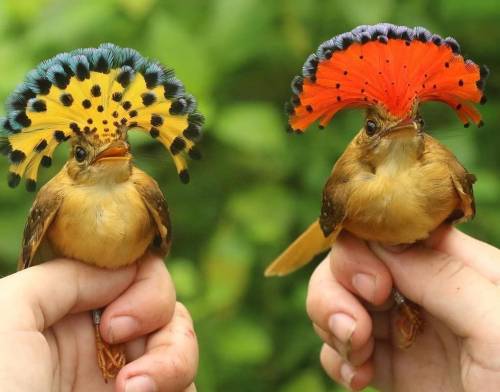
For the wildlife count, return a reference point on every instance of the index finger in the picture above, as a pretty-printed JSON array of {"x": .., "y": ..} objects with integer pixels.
[{"x": 36, "y": 298}]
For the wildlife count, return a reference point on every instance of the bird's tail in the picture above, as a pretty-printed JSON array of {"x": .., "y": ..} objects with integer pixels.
[{"x": 302, "y": 250}]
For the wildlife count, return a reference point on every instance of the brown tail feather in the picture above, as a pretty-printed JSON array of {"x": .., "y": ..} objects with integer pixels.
[{"x": 302, "y": 250}]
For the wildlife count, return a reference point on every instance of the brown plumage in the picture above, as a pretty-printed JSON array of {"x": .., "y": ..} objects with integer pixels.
[
  {"x": 394, "y": 183},
  {"x": 99, "y": 209}
]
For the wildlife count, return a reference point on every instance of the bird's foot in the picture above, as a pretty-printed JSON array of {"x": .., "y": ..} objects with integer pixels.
[
  {"x": 110, "y": 358},
  {"x": 409, "y": 322}
]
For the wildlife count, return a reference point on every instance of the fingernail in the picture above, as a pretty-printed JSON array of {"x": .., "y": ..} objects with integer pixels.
[
  {"x": 364, "y": 285},
  {"x": 140, "y": 384},
  {"x": 122, "y": 327},
  {"x": 342, "y": 326},
  {"x": 346, "y": 373}
]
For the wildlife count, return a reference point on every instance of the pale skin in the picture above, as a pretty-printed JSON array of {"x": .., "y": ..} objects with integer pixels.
[
  {"x": 452, "y": 276},
  {"x": 47, "y": 337}
]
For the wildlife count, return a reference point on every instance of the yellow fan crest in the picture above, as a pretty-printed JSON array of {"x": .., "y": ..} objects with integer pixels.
[{"x": 100, "y": 94}]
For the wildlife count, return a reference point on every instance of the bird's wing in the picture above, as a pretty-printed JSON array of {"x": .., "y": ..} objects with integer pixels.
[
  {"x": 41, "y": 215},
  {"x": 157, "y": 206},
  {"x": 332, "y": 207},
  {"x": 463, "y": 181}
]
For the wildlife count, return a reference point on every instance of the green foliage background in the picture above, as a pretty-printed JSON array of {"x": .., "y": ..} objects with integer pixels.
[{"x": 257, "y": 187}]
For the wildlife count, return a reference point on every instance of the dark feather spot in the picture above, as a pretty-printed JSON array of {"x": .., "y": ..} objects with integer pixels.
[
  {"x": 66, "y": 99},
  {"x": 177, "y": 145},
  {"x": 17, "y": 156},
  {"x": 41, "y": 146},
  {"x": 115, "y": 114},
  {"x": 178, "y": 106},
  {"x": 148, "y": 99},
  {"x": 13, "y": 179},
  {"x": 156, "y": 120},
  {"x": 126, "y": 105},
  {"x": 117, "y": 97},
  {"x": 86, "y": 103},
  {"x": 100, "y": 108},
  {"x": 95, "y": 90},
  {"x": 192, "y": 132},
  {"x": 74, "y": 127},
  {"x": 133, "y": 113},
  {"x": 60, "y": 136},
  {"x": 30, "y": 185},
  {"x": 309, "y": 108},
  {"x": 154, "y": 132},
  {"x": 194, "y": 153},
  {"x": 124, "y": 77},
  {"x": 46, "y": 161},
  {"x": 460, "y": 82},
  {"x": 184, "y": 176},
  {"x": 39, "y": 105},
  {"x": 22, "y": 119}
]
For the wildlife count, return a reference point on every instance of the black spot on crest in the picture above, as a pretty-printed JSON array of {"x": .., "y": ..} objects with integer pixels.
[
  {"x": 156, "y": 120},
  {"x": 148, "y": 99},
  {"x": 13, "y": 179},
  {"x": 30, "y": 185},
  {"x": 46, "y": 161},
  {"x": 66, "y": 99},
  {"x": 184, "y": 176},
  {"x": 39, "y": 105},
  {"x": 41, "y": 146},
  {"x": 177, "y": 145},
  {"x": 17, "y": 156},
  {"x": 117, "y": 97},
  {"x": 95, "y": 90}
]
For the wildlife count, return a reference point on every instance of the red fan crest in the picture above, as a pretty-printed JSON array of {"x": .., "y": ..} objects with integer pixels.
[{"x": 394, "y": 67}]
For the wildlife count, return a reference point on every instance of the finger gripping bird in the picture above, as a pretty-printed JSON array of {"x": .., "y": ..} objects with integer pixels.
[
  {"x": 394, "y": 183},
  {"x": 100, "y": 208}
]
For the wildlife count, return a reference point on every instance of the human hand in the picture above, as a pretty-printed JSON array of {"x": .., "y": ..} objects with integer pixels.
[
  {"x": 47, "y": 340},
  {"x": 454, "y": 277}
]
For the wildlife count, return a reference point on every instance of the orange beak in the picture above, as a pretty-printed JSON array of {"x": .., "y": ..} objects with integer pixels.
[{"x": 116, "y": 151}]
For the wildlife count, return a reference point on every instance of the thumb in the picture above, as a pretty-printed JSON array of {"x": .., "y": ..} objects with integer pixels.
[
  {"x": 36, "y": 298},
  {"x": 444, "y": 286}
]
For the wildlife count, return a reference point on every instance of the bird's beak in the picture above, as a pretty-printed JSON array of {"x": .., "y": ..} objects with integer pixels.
[
  {"x": 116, "y": 151},
  {"x": 405, "y": 128}
]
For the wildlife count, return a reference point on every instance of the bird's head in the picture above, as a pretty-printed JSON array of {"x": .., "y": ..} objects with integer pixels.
[
  {"x": 92, "y": 163},
  {"x": 93, "y": 97},
  {"x": 384, "y": 135},
  {"x": 390, "y": 71}
]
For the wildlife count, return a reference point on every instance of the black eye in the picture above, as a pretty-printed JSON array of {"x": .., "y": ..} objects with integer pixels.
[
  {"x": 371, "y": 127},
  {"x": 80, "y": 154}
]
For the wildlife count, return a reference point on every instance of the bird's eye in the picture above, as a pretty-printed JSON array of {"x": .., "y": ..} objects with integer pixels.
[
  {"x": 371, "y": 127},
  {"x": 80, "y": 154}
]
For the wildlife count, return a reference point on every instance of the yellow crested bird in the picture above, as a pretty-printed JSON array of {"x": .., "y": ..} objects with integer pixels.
[
  {"x": 394, "y": 183},
  {"x": 100, "y": 208}
]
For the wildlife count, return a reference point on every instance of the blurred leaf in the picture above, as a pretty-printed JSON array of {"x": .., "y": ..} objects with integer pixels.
[
  {"x": 262, "y": 211},
  {"x": 243, "y": 341},
  {"x": 253, "y": 127},
  {"x": 186, "y": 278},
  {"x": 309, "y": 380}
]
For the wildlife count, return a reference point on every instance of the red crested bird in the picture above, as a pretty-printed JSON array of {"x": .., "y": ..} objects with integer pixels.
[{"x": 394, "y": 183}]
